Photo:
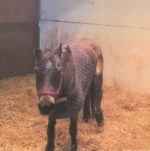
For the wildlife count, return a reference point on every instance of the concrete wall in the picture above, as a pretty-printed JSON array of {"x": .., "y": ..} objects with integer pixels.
[
  {"x": 18, "y": 36},
  {"x": 121, "y": 28}
]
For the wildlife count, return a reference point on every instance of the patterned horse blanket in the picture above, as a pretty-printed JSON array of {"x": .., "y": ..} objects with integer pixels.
[{"x": 84, "y": 73}]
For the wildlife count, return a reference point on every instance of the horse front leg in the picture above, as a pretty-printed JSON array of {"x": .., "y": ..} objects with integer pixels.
[
  {"x": 51, "y": 134},
  {"x": 73, "y": 133}
]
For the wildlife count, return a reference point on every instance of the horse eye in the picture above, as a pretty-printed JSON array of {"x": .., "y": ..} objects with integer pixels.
[{"x": 59, "y": 67}]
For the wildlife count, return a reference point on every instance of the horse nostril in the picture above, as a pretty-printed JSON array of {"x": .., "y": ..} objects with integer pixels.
[{"x": 40, "y": 106}]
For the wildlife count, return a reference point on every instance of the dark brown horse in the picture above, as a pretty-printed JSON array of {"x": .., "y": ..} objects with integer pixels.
[{"x": 68, "y": 78}]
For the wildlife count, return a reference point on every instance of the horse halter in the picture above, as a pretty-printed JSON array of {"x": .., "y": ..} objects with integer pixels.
[{"x": 53, "y": 93}]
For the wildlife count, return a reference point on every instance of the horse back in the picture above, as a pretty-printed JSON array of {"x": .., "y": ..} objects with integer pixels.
[{"x": 93, "y": 51}]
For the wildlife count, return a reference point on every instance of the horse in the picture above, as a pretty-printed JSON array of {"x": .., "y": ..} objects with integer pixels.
[{"x": 68, "y": 78}]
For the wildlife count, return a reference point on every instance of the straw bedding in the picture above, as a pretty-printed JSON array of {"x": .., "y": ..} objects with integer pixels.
[{"x": 126, "y": 127}]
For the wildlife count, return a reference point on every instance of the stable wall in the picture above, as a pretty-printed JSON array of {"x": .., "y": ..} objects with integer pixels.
[
  {"x": 121, "y": 28},
  {"x": 18, "y": 36}
]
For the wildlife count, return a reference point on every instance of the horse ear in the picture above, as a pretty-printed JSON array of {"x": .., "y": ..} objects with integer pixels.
[
  {"x": 67, "y": 49},
  {"x": 59, "y": 49},
  {"x": 66, "y": 54}
]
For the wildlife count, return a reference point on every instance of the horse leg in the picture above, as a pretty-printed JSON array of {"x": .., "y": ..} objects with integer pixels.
[
  {"x": 51, "y": 134},
  {"x": 73, "y": 133},
  {"x": 96, "y": 95},
  {"x": 86, "y": 109}
]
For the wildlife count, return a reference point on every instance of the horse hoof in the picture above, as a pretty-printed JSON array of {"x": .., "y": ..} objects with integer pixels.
[
  {"x": 49, "y": 148},
  {"x": 100, "y": 122},
  {"x": 74, "y": 147},
  {"x": 86, "y": 120}
]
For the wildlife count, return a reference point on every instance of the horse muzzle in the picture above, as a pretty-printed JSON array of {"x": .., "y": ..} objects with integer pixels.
[{"x": 46, "y": 104}]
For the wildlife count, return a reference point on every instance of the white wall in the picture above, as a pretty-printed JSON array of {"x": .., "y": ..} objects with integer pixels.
[{"x": 121, "y": 27}]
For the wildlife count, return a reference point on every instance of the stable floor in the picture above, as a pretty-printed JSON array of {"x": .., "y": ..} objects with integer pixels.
[{"x": 22, "y": 128}]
